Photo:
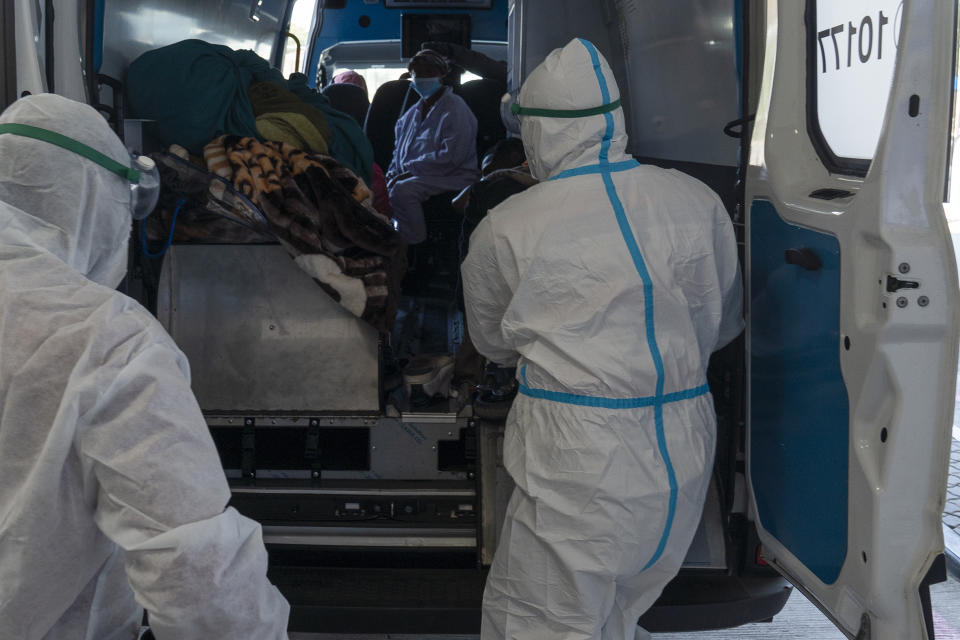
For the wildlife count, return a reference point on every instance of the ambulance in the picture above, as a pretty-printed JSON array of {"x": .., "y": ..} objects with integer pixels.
[{"x": 826, "y": 129}]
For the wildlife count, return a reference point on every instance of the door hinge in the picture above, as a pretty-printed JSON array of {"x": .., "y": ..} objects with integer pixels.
[
  {"x": 313, "y": 450},
  {"x": 248, "y": 451}
]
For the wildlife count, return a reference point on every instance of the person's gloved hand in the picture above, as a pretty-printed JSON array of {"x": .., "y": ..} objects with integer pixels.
[{"x": 469, "y": 60}]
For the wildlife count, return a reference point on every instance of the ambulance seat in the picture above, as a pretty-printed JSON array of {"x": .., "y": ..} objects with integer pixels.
[
  {"x": 350, "y": 99},
  {"x": 483, "y": 98},
  {"x": 391, "y": 101}
]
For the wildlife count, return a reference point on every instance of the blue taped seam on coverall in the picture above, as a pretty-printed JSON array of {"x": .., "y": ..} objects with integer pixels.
[
  {"x": 592, "y": 169},
  {"x": 604, "y": 170},
  {"x": 607, "y": 403}
]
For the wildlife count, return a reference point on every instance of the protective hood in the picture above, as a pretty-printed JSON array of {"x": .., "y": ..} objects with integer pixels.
[
  {"x": 574, "y": 78},
  {"x": 68, "y": 205}
]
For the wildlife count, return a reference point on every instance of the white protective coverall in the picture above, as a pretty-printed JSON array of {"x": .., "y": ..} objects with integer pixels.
[
  {"x": 609, "y": 285},
  {"x": 112, "y": 497}
]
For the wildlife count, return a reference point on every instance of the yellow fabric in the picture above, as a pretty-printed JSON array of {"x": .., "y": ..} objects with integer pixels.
[
  {"x": 294, "y": 129},
  {"x": 215, "y": 158}
]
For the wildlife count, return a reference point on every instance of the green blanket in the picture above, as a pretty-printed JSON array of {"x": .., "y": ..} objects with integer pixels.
[
  {"x": 293, "y": 128},
  {"x": 267, "y": 98},
  {"x": 195, "y": 91}
]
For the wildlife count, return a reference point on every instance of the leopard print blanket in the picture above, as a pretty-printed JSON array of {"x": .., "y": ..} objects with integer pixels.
[
  {"x": 319, "y": 210},
  {"x": 316, "y": 206}
]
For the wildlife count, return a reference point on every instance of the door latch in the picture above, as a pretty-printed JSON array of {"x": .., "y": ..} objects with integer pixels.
[{"x": 894, "y": 284}]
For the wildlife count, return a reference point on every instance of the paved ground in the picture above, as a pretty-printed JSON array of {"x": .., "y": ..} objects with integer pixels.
[
  {"x": 951, "y": 513},
  {"x": 800, "y": 620}
]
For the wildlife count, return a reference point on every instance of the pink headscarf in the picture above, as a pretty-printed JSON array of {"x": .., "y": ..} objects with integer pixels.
[{"x": 350, "y": 77}]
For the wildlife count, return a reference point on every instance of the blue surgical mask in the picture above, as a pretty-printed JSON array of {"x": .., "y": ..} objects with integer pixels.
[{"x": 426, "y": 87}]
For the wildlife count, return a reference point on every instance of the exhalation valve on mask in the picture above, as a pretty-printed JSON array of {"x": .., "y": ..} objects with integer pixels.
[
  {"x": 511, "y": 121},
  {"x": 144, "y": 193}
]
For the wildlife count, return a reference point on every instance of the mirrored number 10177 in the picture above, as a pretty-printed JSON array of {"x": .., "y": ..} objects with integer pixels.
[{"x": 860, "y": 41}]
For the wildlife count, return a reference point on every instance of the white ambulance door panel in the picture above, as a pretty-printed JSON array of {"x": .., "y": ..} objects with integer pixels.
[
  {"x": 852, "y": 305},
  {"x": 28, "y": 19},
  {"x": 40, "y": 34}
]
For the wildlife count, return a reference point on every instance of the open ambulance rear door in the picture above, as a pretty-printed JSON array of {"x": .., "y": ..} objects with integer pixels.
[{"x": 853, "y": 306}]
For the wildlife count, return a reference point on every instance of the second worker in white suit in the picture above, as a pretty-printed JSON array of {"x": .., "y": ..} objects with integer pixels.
[
  {"x": 608, "y": 285},
  {"x": 112, "y": 497}
]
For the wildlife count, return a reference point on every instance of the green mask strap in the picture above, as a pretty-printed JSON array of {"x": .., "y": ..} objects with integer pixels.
[
  {"x": 127, "y": 173},
  {"x": 565, "y": 113}
]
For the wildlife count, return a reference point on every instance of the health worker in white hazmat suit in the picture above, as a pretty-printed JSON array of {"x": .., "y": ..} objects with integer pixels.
[
  {"x": 609, "y": 285},
  {"x": 112, "y": 498}
]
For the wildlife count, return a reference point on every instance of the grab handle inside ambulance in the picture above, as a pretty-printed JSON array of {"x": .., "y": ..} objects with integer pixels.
[{"x": 804, "y": 258}]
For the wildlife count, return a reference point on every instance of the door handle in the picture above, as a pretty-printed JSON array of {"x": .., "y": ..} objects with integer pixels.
[{"x": 804, "y": 258}]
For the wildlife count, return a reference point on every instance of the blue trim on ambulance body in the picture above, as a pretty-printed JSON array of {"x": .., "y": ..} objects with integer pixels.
[
  {"x": 799, "y": 403},
  {"x": 344, "y": 25}
]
